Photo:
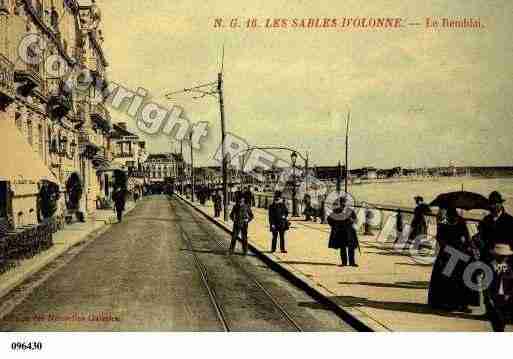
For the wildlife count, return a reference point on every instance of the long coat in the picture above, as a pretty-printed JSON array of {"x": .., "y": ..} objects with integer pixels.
[
  {"x": 492, "y": 232},
  {"x": 241, "y": 214},
  {"x": 419, "y": 223},
  {"x": 278, "y": 214},
  {"x": 119, "y": 198},
  {"x": 342, "y": 233},
  {"x": 450, "y": 291},
  {"x": 218, "y": 201}
]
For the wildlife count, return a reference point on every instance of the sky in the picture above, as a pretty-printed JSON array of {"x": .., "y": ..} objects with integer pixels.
[{"x": 418, "y": 96}]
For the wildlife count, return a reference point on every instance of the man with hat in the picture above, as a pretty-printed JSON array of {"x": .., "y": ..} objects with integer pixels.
[
  {"x": 418, "y": 226},
  {"x": 278, "y": 222},
  {"x": 241, "y": 215},
  {"x": 496, "y": 227}
]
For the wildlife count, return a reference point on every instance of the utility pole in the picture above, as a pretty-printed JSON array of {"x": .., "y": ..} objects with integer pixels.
[
  {"x": 347, "y": 151},
  {"x": 215, "y": 89},
  {"x": 192, "y": 169},
  {"x": 306, "y": 173},
  {"x": 182, "y": 163},
  {"x": 223, "y": 136}
]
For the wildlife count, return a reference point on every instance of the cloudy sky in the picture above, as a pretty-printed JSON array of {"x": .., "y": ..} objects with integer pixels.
[{"x": 418, "y": 96}]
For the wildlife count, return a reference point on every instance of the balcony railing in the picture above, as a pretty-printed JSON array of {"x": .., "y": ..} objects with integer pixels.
[
  {"x": 7, "y": 91},
  {"x": 60, "y": 102},
  {"x": 123, "y": 155},
  {"x": 101, "y": 117},
  {"x": 88, "y": 144},
  {"x": 28, "y": 76}
]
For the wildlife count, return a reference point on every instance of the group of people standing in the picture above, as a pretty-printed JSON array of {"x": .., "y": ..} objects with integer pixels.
[
  {"x": 451, "y": 288},
  {"x": 343, "y": 234},
  {"x": 241, "y": 214},
  {"x": 493, "y": 246}
]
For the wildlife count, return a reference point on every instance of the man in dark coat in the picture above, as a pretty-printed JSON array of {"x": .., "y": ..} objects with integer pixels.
[
  {"x": 343, "y": 235},
  {"x": 278, "y": 222},
  {"x": 241, "y": 215},
  {"x": 495, "y": 233},
  {"x": 237, "y": 195},
  {"x": 119, "y": 198},
  {"x": 249, "y": 198},
  {"x": 419, "y": 223},
  {"x": 496, "y": 227},
  {"x": 218, "y": 203},
  {"x": 498, "y": 298}
]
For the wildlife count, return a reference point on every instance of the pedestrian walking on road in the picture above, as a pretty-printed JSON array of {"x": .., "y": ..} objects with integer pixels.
[
  {"x": 343, "y": 234},
  {"x": 419, "y": 224},
  {"x": 119, "y": 198},
  {"x": 278, "y": 222},
  {"x": 218, "y": 203},
  {"x": 241, "y": 215}
]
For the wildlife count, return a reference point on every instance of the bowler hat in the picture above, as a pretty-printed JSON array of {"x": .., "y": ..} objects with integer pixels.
[
  {"x": 277, "y": 194},
  {"x": 418, "y": 198},
  {"x": 495, "y": 197},
  {"x": 502, "y": 250}
]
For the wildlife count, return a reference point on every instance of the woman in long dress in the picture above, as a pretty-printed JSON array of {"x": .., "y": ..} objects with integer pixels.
[{"x": 447, "y": 291}]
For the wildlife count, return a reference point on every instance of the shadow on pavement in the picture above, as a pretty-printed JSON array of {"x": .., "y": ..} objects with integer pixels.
[
  {"x": 310, "y": 263},
  {"x": 353, "y": 302},
  {"x": 414, "y": 264},
  {"x": 407, "y": 285}
]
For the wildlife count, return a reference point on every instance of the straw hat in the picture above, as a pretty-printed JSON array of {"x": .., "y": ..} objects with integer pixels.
[{"x": 502, "y": 250}]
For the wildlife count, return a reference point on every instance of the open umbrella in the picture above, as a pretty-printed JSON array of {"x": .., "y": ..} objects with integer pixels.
[{"x": 461, "y": 199}]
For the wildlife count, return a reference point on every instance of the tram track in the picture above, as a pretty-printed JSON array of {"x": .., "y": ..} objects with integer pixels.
[{"x": 221, "y": 312}]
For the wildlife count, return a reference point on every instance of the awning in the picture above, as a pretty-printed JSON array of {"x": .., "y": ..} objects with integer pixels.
[
  {"x": 110, "y": 167},
  {"x": 19, "y": 164}
]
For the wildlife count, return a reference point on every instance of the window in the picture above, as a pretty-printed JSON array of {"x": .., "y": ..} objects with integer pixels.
[
  {"x": 55, "y": 20},
  {"x": 29, "y": 132},
  {"x": 39, "y": 8},
  {"x": 4, "y": 6},
  {"x": 41, "y": 140},
  {"x": 17, "y": 120}
]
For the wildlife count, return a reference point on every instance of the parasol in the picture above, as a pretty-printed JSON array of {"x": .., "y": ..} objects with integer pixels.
[{"x": 461, "y": 199}]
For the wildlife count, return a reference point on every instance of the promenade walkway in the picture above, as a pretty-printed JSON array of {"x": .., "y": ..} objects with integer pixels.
[{"x": 388, "y": 291}]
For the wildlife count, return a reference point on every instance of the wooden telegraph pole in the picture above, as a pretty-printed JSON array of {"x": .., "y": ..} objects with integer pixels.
[
  {"x": 223, "y": 136},
  {"x": 192, "y": 169},
  {"x": 347, "y": 151}
]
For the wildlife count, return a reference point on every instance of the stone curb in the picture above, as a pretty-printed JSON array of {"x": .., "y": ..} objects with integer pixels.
[{"x": 354, "y": 317}]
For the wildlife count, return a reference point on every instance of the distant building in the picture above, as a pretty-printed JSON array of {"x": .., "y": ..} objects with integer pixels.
[
  {"x": 160, "y": 167},
  {"x": 129, "y": 152}
]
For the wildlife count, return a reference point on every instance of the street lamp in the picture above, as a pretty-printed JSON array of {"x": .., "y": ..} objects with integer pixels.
[{"x": 293, "y": 159}]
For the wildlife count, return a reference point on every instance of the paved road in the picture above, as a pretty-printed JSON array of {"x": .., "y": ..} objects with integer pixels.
[{"x": 143, "y": 275}]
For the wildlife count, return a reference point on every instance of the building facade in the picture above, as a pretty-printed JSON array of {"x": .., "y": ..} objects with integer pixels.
[
  {"x": 43, "y": 43},
  {"x": 160, "y": 167},
  {"x": 128, "y": 151}
]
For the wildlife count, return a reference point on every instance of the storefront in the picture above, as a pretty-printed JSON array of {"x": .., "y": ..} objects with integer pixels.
[{"x": 21, "y": 173}]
